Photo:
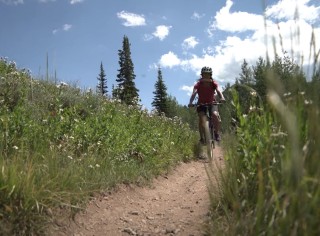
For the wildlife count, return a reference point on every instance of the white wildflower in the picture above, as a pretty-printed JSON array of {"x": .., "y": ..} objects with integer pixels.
[{"x": 253, "y": 93}]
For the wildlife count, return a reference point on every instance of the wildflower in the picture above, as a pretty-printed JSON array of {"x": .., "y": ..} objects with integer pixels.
[
  {"x": 15, "y": 147},
  {"x": 90, "y": 166},
  {"x": 70, "y": 157},
  {"x": 172, "y": 143},
  {"x": 252, "y": 108},
  {"x": 306, "y": 102},
  {"x": 97, "y": 165},
  {"x": 287, "y": 94},
  {"x": 253, "y": 93},
  {"x": 99, "y": 143}
]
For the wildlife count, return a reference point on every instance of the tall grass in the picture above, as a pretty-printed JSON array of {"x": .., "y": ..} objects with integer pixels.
[
  {"x": 271, "y": 181},
  {"x": 60, "y": 145}
]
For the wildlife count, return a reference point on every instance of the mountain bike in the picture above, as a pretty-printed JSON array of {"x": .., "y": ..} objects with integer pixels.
[{"x": 207, "y": 133}]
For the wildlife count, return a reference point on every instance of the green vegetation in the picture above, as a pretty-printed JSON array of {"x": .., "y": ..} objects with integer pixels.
[
  {"x": 60, "y": 145},
  {"x": 102, "y": 87},
  {"x": 160, "y": 100},
  {"x": 126, "y": 90},
  {"x": 270, "y": 184}
]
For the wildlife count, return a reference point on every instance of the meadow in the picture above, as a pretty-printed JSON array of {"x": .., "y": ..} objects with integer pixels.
[{"x": 59, "y": 146}]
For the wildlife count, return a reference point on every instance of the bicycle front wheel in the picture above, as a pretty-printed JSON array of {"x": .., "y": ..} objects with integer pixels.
[{"x": 209, "y": 140}]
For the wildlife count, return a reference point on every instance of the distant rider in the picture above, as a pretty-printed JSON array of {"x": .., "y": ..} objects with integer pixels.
[{"x": 206, "y": 88}]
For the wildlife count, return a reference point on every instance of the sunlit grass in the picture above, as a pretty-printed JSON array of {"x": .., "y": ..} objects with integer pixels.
[
  {"x": 59, "y": 146},
  {"x": 270, "y": 184}
]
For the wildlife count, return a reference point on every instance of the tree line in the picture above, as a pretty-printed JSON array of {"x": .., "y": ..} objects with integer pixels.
[
  {"x": 126, "y": 91},
  {"x": 288, "y": 77}
]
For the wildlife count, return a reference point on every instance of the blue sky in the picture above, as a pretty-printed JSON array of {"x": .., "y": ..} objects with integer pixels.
[{"x": 180, "y": 36}]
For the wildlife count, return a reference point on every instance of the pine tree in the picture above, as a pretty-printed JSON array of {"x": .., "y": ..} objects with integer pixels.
[
  {"x": 160, "y": 99},
  {"x": 102, "y": 87},
  {"x": 126, "y": 90},
  {"x": 246, "y": 75},
  {"x": 260, "y": 76}
]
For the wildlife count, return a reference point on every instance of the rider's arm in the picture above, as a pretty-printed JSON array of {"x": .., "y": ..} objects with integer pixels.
[
  {"x": 193, "y": 95},
  {"x": 220, "y": 94}
]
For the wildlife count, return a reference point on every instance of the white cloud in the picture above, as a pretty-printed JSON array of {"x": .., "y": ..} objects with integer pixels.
[
  {"x": 226, "y": 56},
  {"x": 169, "y": 60},
  {"x": 187, "y": 88},
  {"x": 286, "y": 34},
  {"x": 189, "y": 42},
  {"x": 65, "y": 27},
  {"x": 12, "y": 2},
  {"x": 147, "y": 37},
  {"x": 45, "y": 1},
  {"x": 197, "y": 16},
  {"x": 236, "y": 21},
  {"x": 292, "y": 9},
  {"x": 131, "y": 19},
  {"x": 162, "y": 31},
  {"x": 75, "y": 1}
]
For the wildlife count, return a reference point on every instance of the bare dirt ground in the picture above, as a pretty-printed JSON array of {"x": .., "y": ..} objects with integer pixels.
[{"x": 176, "y": 204}]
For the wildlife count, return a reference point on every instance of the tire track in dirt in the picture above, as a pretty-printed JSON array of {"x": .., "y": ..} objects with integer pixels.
[{"x": 176, "y": 204}]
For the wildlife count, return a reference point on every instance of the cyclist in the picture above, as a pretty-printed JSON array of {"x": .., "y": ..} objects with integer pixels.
[{"x": 206, "y": 88}]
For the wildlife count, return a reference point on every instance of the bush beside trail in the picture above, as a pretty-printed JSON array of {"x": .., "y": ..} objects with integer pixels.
[{"x": 270, "y": 185}]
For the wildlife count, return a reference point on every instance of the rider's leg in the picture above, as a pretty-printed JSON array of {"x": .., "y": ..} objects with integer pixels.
[
  {"x": 216, "y": 124},
  {"x": 202, "y": 122}
]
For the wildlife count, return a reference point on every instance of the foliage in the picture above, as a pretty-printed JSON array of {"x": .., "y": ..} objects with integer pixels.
[
  {"x": 270, "y": 185},
  {"x": 59, "y": 146},
  {"x": 102, "y": 87},
  {"x": 246, "y": 75},
  {"x": 160, "y": 100},
  {"x": 126, "y": 90}
]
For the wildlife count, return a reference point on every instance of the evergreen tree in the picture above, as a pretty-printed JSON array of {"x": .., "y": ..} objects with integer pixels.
[
  {"x": 246, "y": 75},
  {"x": 102, "y": 87},
  {"x": 160, "y": 98},
  {"x": 260, "y": 77},
  {"x": 185, "y": 114},
  {"x": 126, "y": 90},
  {"x": 289, "y": 73}
]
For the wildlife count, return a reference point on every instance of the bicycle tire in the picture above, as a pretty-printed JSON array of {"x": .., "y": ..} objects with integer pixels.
[{"x": 209, "y": 140}]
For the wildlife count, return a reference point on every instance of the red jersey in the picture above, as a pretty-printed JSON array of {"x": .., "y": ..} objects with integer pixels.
[{"x": 206, "y": 91}]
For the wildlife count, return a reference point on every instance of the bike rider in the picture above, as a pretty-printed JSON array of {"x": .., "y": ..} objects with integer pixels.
[{"x": 206, "y": 88}]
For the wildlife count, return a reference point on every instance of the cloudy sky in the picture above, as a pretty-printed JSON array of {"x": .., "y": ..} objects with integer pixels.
[{"x": 180, "y": 36}]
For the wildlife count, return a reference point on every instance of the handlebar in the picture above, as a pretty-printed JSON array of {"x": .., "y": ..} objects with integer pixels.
[{"x": 205, "y": 104}]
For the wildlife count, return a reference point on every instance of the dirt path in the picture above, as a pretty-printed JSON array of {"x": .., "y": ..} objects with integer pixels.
[{"x": 176, "y": 204}]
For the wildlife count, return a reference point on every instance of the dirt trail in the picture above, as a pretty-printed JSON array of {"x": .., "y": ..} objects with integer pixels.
[{"x": 176, "y": 204}]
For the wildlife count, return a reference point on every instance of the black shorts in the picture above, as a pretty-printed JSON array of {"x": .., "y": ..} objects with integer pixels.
[{"x": 205, "y": 108}]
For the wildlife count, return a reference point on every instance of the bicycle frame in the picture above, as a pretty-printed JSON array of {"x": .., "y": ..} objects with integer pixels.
[{"x": 208, "y": 130}]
